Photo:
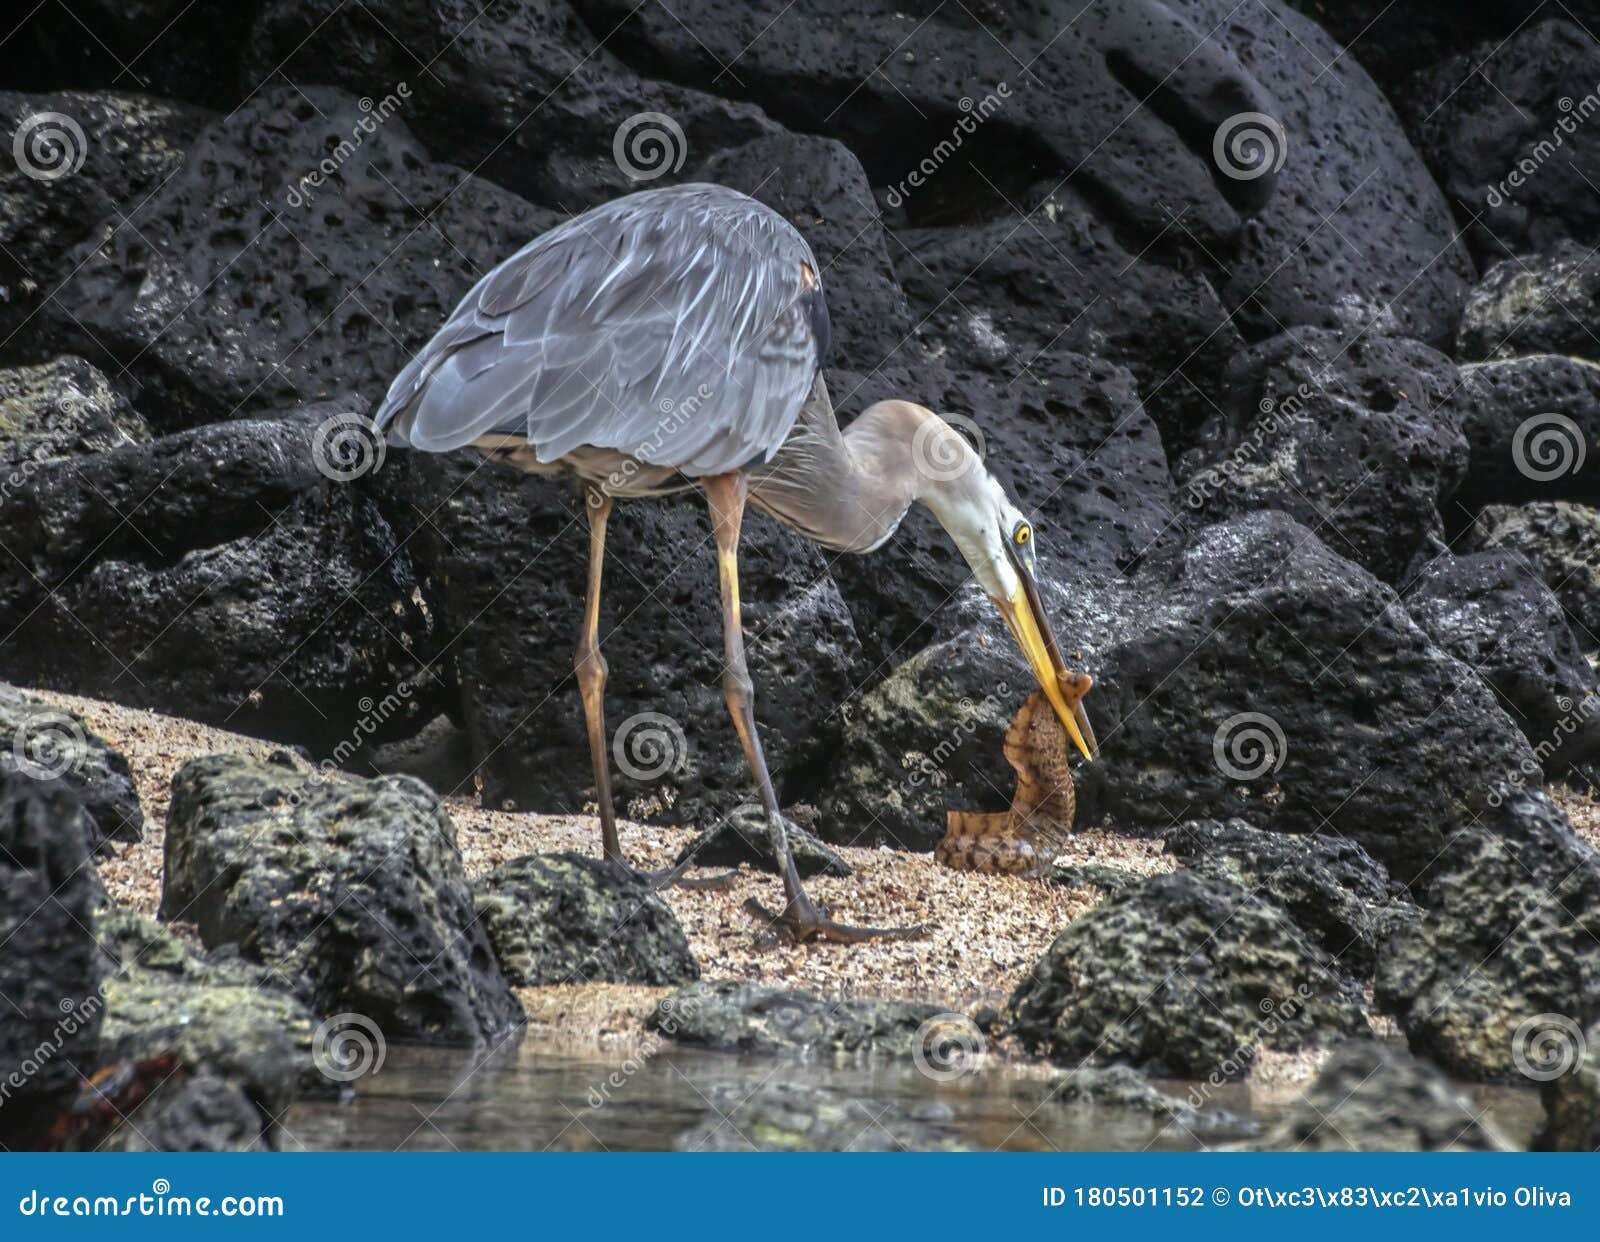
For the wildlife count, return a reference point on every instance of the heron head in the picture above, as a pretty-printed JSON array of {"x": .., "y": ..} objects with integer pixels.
[{"x": 1000, "y": 544}]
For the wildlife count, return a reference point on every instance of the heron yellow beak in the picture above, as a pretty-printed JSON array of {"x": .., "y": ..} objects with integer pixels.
[{"x": 1024, "y": 614}]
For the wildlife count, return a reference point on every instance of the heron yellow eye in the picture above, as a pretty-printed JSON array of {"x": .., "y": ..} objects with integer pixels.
[{"x": 1022, "y": 535}]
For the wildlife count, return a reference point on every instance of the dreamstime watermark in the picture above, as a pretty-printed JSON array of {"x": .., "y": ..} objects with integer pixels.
[
  {"x": 675, "y": 415},
  {"x": 649, "y": 145},
  {"x": 49, "y": 146},
  {"x": 948, "y": 1046},
  {"x": 1249, "y": 145},
  {"x": 1249, "y": 745},
  {"x": 973, "y": 114},
  {"x": 1548, "y": 1046},
  {"x": 931, "y": 765},
  {"x": 1277, "y": 1014},
  {"x": 347, "y": 446},
  {"x": 649, "y": 745},
  {"x": 941, "y": 453},
  {"x": 303, "y": 190},
  {"x": 1531, "y": 770},
  {"x": 348, "y": 1046},
  {"x": 1548, "y": 446},
  {"x": 1575, "y": 114},
  {"x": 47, "y": 745},
  {"x": 671, "y": 1013},
  {"x": 75, "y": 1016},
  {"x": 1276, "y": 414}
]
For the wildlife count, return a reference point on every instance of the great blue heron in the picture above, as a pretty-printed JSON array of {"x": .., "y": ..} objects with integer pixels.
[{"x": 673, "y": 339}]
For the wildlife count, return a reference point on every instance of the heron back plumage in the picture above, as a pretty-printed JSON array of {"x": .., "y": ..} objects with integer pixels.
[{"x": 682, "y": 327}]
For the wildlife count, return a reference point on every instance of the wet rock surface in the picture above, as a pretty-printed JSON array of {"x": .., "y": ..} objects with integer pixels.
[
  {"x": 200, "y": 1112},
  {"x": 61, "y": 408},
  {"x": 1370, "y": 1097},
  {"x": 352, "y": 892},
  {"x": 1187, "y": 974},
  {"x": 738, "y": 1016},
  {"x": 568, "y": 918},
  {"x": 1504, "y": 950},
  {"x": 744, "y": 836}
]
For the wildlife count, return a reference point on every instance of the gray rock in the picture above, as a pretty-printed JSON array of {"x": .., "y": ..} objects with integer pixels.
[
  {"x": 40, "y": 741},
  {"x": 1329, "y": 886},
  {"x": 1542, "y": 304},
  {"x": 161, "y": 996},
  {"x": 1505, "y": 948},
  {"x": 1491, "y": 612},
  {"x": 1370, "y": 1097},
  {"x": 1112, "y": 881},
  {"x": 738, "y": 1016},
  {"x": 50, "y": 970},
  {"x": 1571, "y": 1092},
  {"x": 788, "y": 1116},
  {"x": 352, "y": 892},
  {"x": 1119, "y": 1089},
  {"x": 569, "y": 918},
  {"x": 64, "y": 408},
  {"x": 743, "y": 836},
  {"x": 1560, "y": 541},
  {"x": 1184, "y": 975},
  {"x": 199, "y": 1112}
]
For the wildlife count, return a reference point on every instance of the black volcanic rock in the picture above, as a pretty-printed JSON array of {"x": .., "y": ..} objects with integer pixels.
[
  {"x": 1560, "y": 542},
  {"x": 304, "y": 248},
  {"x": 1505, "y": 127},
  {"x": 1183, "y": 975},
  {"x": 1530, "y": 426},
  {"x": 1491, "y": 612},
  {"x": 1360, "y": 442},
  {"x": 1506, "y": 950},
  {"x": 232, "y": 574},
  {"x": 1541, "y": 304},
  {"x": 351, "y": 892},
  {"x": 50, "y": 972}
]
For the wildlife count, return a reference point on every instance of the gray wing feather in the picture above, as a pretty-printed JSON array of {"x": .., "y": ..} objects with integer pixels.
[{"x": 674, "y": 325}]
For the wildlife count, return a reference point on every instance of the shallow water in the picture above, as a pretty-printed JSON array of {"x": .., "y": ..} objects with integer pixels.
[{"x": 533, "y": 1098}]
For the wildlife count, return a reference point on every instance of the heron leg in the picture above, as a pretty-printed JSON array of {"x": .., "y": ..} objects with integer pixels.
[
  {"x": 801, "y": 919},
  {"x": 590, "y": 666}
]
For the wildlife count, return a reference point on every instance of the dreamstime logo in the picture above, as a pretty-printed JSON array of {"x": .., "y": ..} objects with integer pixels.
[
  {"x": 49, "y": 146},
  {"x": 1249, "y": 745},
  {"x": 47, "y": 745},
  {"x": 941, "y": 453},
  {"x": 974, "y": 113},
  {"x": 948, "y": 1046},
  {"x": 347, "y": 446},
  {"x": 1249, "y": 145},
  {"x": 649, "y": 145},
  {"x": 304, "y": 189},
  {"x": 348, "y": 1046},
  {"x": 1547, "y": 446},
  {"x": 1548, "y": 1046},
  {"x": 649, "y": 745}
]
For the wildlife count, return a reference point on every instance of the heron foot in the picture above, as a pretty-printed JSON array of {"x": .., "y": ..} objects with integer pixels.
[
  {"x": 802, "y": 923},
  {"x": 676, "y": 876}
]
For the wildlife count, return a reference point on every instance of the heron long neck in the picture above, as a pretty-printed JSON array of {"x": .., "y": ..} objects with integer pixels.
[{"x": 846, "y": 489}]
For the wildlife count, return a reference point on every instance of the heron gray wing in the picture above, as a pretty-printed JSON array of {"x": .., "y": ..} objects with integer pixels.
[{"x": 681, "y": 326}]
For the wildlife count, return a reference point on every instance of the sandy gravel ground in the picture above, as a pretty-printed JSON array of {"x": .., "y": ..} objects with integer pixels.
[{"x": 987, "y": 929}]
